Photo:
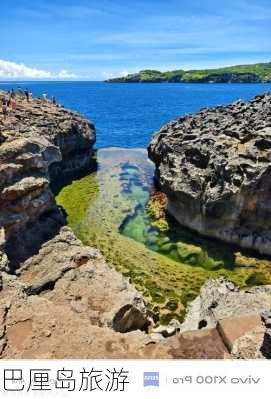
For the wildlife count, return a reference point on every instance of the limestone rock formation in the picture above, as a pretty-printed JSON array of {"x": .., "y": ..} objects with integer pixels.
[
  {"x": 64, "y": 301},
  {"x": 215, "y": 168},
  {"x": 221, "y": 299},
  {"x": 41, "y": 144},
  {"x": 242, "y": 318}
]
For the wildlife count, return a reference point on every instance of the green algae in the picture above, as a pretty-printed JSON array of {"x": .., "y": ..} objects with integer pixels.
[
  {"x": 109, "y": 209},
  {"x": 257, "y": 278},
  {"x": 75, "y": 199}
]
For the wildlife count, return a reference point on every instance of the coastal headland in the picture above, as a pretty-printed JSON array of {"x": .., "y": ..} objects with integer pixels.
[{"x": 250, "y": 73}]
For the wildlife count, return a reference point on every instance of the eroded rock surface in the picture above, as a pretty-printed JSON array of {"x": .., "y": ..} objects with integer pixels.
[
  {"x": 220, "y": 299},
  {"x": 242, "y": 318},
  {"x": 40, "y": 144},
  {"x": 215, "y": 168},
  {"x": 63, "y": 303}
]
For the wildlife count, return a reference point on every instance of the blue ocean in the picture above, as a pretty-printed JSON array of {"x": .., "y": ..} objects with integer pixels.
[{"x": 126, "y": 115}]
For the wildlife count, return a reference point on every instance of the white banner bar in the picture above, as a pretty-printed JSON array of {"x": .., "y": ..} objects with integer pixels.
[{"x": 129, "y": 379}]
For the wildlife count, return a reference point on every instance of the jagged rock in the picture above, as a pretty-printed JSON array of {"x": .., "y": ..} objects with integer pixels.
[
  {"x": 234, "y": 328},
  {"x": 132, "y": 316},
  {"x": 42, "y": 144},
  {"x": 256, "y": 342},
  {"x": 215, "y": 169},
  {"x": 203, "y": 344},
  {"x": 249, "y": 345},
  {"x": 241, "y": 317},
  {"x": 64, "y": 270},
  {"x": 172, "y": 328},
  {"x": 266, "y": 344},
  {"x": 68, "y": 289},
  {"x": 220, "y": 299},
  {"x": 3, "y": 257},
  {"x": 3, "y": 261}
]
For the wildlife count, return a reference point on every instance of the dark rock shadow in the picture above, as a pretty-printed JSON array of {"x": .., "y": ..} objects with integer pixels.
[
  {"x": 266, "y": 345},
  {"x": 26, "y": 243},
  {"x": 62, "y": 177}
]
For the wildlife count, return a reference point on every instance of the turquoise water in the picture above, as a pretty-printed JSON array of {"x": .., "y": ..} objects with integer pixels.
[
  {"x": 109, "y": 209},
  {"x": 126, "y": 115},
  {"x": 178, "y": 243}
]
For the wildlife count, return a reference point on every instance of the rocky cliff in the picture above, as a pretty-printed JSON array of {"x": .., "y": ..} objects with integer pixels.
[
  {"x": 215, "y": 168},
  {"x": 41, "y": 144}
]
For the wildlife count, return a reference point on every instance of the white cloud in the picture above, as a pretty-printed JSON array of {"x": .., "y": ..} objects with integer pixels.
[
  {"x": 124, "y": 73},
  {"x": 12, "y": 70},
  {"x": 64, "y": 74},
  {"x": 116, "y": 74}
]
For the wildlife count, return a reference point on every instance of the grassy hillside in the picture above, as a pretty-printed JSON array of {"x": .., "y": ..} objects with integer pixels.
[{"x": 235, "y": 74}]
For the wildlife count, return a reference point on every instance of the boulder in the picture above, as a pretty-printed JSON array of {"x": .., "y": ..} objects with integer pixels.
[
  {"x": 68, "y": 293},
  {"x": 234, "y": 328},
  {"x": 220, "y": 299},
  {"x": 67, "y": 271}
]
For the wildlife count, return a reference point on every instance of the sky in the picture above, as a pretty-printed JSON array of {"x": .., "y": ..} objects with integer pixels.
[{"x": 98, "y": 39}]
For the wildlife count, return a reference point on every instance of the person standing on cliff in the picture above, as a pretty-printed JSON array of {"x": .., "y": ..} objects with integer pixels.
[
  {"x": 12, "y": 100},
  {"x": 13, "y": 103},
  {"x": 12, "y": 94},
  {"x": 8, "y": 98},
  {"x": 4, "y": 107},
  {"x": 26, "y": 92}
]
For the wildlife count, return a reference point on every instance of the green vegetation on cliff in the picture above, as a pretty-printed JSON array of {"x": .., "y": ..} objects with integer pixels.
[{"x": 252, "y": 73}]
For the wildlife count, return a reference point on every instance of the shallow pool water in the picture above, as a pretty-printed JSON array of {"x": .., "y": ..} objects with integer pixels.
[{"x": 118, "y": 210}]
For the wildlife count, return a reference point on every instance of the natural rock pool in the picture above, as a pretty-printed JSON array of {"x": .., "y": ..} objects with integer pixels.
[{"x": 119, "y": 210}]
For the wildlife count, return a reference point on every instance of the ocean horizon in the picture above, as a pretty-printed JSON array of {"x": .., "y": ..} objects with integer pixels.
[{"x": 127, "y": 115}]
